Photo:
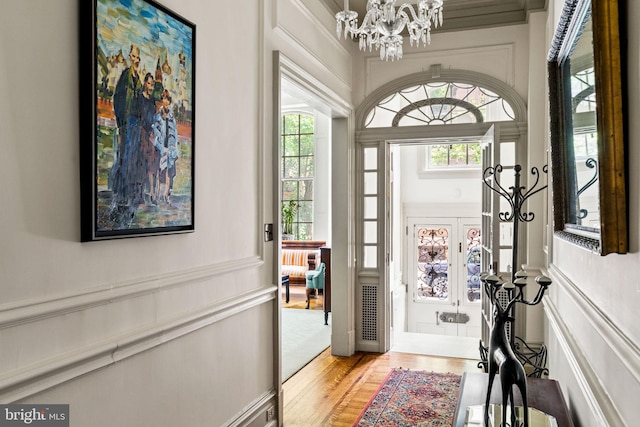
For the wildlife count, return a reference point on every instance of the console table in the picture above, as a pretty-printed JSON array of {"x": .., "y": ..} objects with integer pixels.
[{"x": 543, "y": 394}]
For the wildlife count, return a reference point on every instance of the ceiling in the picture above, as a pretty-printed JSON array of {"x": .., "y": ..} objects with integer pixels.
[
  {"x": 458, "y": 15},
  {"x": 465, "y": 14}
]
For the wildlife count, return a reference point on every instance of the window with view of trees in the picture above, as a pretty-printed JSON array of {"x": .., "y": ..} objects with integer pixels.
[
  {"x": 466, "y": 155},
  {"x": 297, "y": 171}
]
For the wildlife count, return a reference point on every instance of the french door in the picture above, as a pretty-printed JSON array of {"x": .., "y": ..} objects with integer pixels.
[{"x": 444, "y": 284}]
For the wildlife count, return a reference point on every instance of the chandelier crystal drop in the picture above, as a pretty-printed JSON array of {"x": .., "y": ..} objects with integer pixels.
[{"x": 382, "y": 25}]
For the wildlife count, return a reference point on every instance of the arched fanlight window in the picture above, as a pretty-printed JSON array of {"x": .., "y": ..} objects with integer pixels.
[{"x": 438, "y": 103}]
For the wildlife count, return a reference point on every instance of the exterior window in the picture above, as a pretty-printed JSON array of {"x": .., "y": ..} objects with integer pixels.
[
  {"x": 297, "y": 172},
  {"x": 467, "y": 155}
]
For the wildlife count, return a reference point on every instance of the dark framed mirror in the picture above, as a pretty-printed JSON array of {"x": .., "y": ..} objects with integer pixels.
[{"x": 587, "y": 127}]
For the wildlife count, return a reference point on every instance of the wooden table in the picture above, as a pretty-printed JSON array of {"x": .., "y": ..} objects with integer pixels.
[{"x": 544, "y": 395}]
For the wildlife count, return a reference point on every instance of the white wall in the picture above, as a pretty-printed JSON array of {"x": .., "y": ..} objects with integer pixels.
[
  {"x": 154, "y": 330},
  {"x": 322, "y": 179},
  {"x": 593, "y": 331},
  {"x": 438, "y": 188},
  {"x": 498, "y": 52}
]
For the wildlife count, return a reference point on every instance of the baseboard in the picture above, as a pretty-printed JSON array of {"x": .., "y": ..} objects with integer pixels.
[
  {"x": 260, "y": 413},
  {"x": 368, "y": 346}
]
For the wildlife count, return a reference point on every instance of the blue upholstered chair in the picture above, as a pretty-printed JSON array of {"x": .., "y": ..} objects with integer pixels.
[{"x": 315, "y": 280}]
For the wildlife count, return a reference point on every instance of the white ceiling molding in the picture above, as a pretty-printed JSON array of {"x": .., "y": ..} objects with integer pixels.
[{"x": 467, "y": 14}]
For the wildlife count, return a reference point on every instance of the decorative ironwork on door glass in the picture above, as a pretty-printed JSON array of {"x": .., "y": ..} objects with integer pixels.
[
  {"x": 473, "y": 249},
  {"x": 433, "y": 264}
]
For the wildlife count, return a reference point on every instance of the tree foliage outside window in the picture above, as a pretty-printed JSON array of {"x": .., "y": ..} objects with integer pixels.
[
  {"x": 467, "y": 155},
  {"x": 297, "y": 170}
]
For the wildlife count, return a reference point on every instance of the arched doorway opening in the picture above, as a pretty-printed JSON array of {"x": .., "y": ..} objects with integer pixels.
[{"x": 445, "y": 121}]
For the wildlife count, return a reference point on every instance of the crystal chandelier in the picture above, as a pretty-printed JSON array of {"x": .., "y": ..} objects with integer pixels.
[{"x": 382, "y": 25}]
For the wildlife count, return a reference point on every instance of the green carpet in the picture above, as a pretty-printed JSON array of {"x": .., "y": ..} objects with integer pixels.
[{"x": 304, "y": 336}]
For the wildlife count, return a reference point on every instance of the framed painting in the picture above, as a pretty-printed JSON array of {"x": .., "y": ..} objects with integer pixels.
[{"x": 137, "y": 120}]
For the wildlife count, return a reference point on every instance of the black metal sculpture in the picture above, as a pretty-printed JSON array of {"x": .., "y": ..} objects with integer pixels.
[{"x": 501, "y": 357}]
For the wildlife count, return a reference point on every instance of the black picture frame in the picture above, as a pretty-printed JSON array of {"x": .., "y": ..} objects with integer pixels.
[{"x": 137, "y": 145}]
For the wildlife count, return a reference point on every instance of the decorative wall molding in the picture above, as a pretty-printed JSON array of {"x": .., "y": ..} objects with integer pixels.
[
  {"x": 281, "y": 28},
  {"x": 255, "y": 413},
  {"x": 603, "y": 411},
  {"x": 582, "y": 372},
  {"x": 35, "y": 378},
  {"x": 624, "y": 348},
  {"x": 417, "y": 60},
  {"x": 301, "y": 77},
  {"x": 16, "y": 313},
  {"x": 330, "y": 35}
]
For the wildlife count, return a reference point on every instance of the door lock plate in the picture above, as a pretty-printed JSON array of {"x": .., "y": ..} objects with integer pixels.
[{"x": 454, "y": 317}]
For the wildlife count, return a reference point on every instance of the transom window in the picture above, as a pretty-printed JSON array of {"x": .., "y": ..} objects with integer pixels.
[
  {"x": 439, "y": 103},
  {"x": 297, "y": 171}
]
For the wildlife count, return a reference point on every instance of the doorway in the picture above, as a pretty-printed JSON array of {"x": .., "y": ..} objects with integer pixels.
[
  {"x": 406, "y": 112},
  {"x": 304, "y": 169},
  {"x": 295, "y": 90},
  {"x": 434, "y": 225},
  {"x": 444, "y": 282}
]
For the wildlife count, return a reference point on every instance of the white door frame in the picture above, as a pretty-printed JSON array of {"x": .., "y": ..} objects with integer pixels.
[{"x": 372, "y": 283}]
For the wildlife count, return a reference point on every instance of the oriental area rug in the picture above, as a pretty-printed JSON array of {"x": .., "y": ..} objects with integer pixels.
[{"x": 412, "y": 398}]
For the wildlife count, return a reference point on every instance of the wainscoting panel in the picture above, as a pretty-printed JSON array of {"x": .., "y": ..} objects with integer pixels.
[
  {"x": 220, "y": 374},
  {"x": 65, "y": 336},
  {"x": 603, "y": 376}
]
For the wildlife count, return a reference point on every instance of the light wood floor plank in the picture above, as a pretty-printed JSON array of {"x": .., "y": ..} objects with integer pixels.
[{"x": 333, "y": 390}]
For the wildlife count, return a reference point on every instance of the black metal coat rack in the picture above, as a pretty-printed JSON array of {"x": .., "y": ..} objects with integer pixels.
[{"x": 516, "y": 196}]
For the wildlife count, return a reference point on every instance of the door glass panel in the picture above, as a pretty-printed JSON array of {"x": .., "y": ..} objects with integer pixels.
[
  {"x": 432, "y": 250},
  {"x": 371, "y": 232},
  {"x": 508, "y": 153},
  {"x": 370, "y": 207},
  {"x": 507, "y": 181},
  {"x": 505, "y": 261},
  {"x": 370, "y": 183},
  {"x": 371, "y": 158},
  {"x": 506, "y": 233},
  {"x": 473, "y": 248},
  {"x": 370, "y": 254}
]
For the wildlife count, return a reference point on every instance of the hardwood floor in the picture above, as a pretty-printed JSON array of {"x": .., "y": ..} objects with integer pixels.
[
  {"x": 298, "y": 298},
  {"x": 333, "y": 390}
]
